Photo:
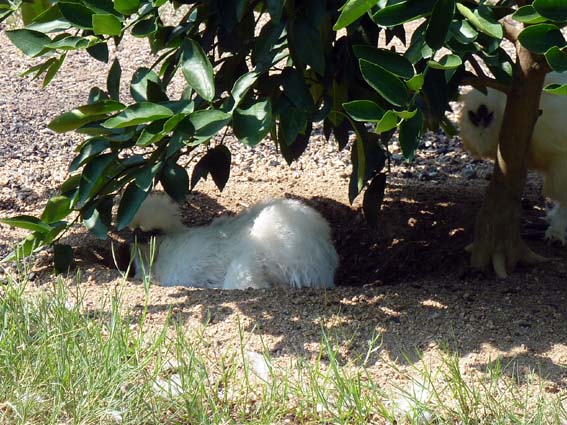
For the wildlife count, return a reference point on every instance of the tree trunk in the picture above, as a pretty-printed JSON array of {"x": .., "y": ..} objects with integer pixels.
[{"x": 497, "y": 239}]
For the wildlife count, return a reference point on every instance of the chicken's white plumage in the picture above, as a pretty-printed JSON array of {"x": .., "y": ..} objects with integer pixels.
[
  {"x": 480, "y": 123},
  {"x": 273, "y": 243}
]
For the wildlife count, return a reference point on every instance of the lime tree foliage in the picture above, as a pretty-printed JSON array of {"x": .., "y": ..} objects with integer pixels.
[{"x": 277, "y": 68}]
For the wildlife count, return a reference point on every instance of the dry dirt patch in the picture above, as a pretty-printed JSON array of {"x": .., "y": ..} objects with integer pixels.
[{"x": 406, "y": 280}]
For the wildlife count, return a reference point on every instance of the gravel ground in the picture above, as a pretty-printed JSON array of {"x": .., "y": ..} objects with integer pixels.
[{"x": 406, "y": 280}]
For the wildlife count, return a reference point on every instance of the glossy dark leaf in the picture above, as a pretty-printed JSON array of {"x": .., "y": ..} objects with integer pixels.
[
  {"x": 92, "y": 175},
  {"x": 99, "y": 52},
  {"x": 439, "y": 23},
  {"x": 307, "y": 45},
  {"x": 557, "y": 59},
  {"x": 297, "y": 90},
  {"x": 137, "y": 114},
  {"x": 292, "y": 151},
  {"x": 373, "y": 199},
  {"x": 29, "y": 42},
  {"x": 126, "y": 7},
  {"x": 56, "y": 209},
  {"x": 401, "y": 12},
  {"x": 106, "y": 24},
  {"x": 364, "y": 110},
  {"x": 410, "y": 132},
  {"x": 351, "y": 11},
  {"x": 76, "y": 13},
  {"x": 384, "y": 82},
  {"x": 62, "y": 258},
  {"x": 197, "y": 70},
  {"x": 175, "y": 181},
  {"x": 541, "y": 37},
  {"x": 251, "y": 125},
  {"x": 97, "y": 217},
  {"x": 113, "y": 80},
  {"x": 215, "y": 162},
  {"x": 27, "y": 222},
  {"x": 554, "y": 10},
  {"x": 391, "y": 61}
]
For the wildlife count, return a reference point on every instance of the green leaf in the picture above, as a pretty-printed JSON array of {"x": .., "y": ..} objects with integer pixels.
[
  {"x": 106, "y": 24},
  {"x": 541, "y": 37},
  {"x": 175, "y": 181},
  {"x": 528, "y": 15},
  {"x": 215, "y": 162},
  {"x": 52, "y": 70},
  {"x": 557, "y": 59},
  {"x": 51, "y": 20},
  {"x": 251, "y": 125},
  {"x": 416, "y": 83},
  {"x": 56, "y": 209},
  {"x": 406, "y": 115},
  {"x": 388, "y": 60},
  {"x": 242, "y": 85},
  {"x": 292, "y": 122},
  {"x": 83, "y": 115},
  {"x": 152, "y": 133},
  {"x": 29, "y": 42},
  {"x": 27, "y": 222},
  {"x": 439, "y": 23},
  {"x": 89, "y": 149},
  {"x": 483, "y": 22},
  {"x": 137, "y": 114},
  {"x": 296, "y": 89},
  {"x": 275, "y": 9},
  {"x": 79, "y": 15},
  {"x": 463, "y": 32},
  {"x": 307, "y": 45},
  {"x": 126, "y": 7},
  {"x": 139, "y": 83},
  {"x": 351, "y": 11},
  {"x": 99, "y": 52},
  {"x": 130, "y": 203},
  {"x": 92, "y": 175},
  {"x": 554, "y": 10},
  {"x": 68, "y": 43},
  {"x": 410, "y": 131},
  {"x": 292, "y": 150},
  {"x": 557, "y": 89},
  {"x": 97, "y": 217},
  {"x": 364, "y": 110},
  {"x": 384, "y": 82},
  {"x": 401, "y": 12},
  {"x": 155, "y": 93},
  {"x": 62, "y": 258},
  {"x": 373, "y": 199},
  {"x": 145, "y": 27},
  {"x": 197, "y": 70},
  {"x": 208, "y": 123},
  {"x": 32, "y": 9},
  {"x": 388, "y": 122},
  {"x": 113, "y": 80},
  {"x": 446, "y": 62}
]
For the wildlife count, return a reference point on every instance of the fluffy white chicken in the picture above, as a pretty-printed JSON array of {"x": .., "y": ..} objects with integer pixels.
[
  {"x": 282, "y": 243},
  {"x": 480, "y": 122}
]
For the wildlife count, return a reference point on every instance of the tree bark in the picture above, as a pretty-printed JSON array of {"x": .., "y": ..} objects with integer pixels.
[{"x": 497, "y": 240}]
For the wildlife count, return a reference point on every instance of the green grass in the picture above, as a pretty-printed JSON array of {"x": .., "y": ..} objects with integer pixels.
[{"x": 61, "y": 363}]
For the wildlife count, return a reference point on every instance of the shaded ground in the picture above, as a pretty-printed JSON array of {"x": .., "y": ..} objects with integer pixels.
[{"x": 407, "y": 280}]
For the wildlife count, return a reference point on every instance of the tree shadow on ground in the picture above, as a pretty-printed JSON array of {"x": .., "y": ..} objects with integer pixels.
[{"x": 408, "y": 283}]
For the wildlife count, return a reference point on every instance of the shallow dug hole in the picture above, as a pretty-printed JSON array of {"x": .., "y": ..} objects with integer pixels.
[{"x": 405, "y": 281}]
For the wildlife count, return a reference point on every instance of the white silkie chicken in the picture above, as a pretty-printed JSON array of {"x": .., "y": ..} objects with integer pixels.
[
  {"x": 480, "y": 122},
  {"x": 275, "y": 243}
]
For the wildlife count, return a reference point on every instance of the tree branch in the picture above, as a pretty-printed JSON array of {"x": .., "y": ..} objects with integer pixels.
[
  {"x": 482, "y": 83},
  {"x": 511, "y": 32}
]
